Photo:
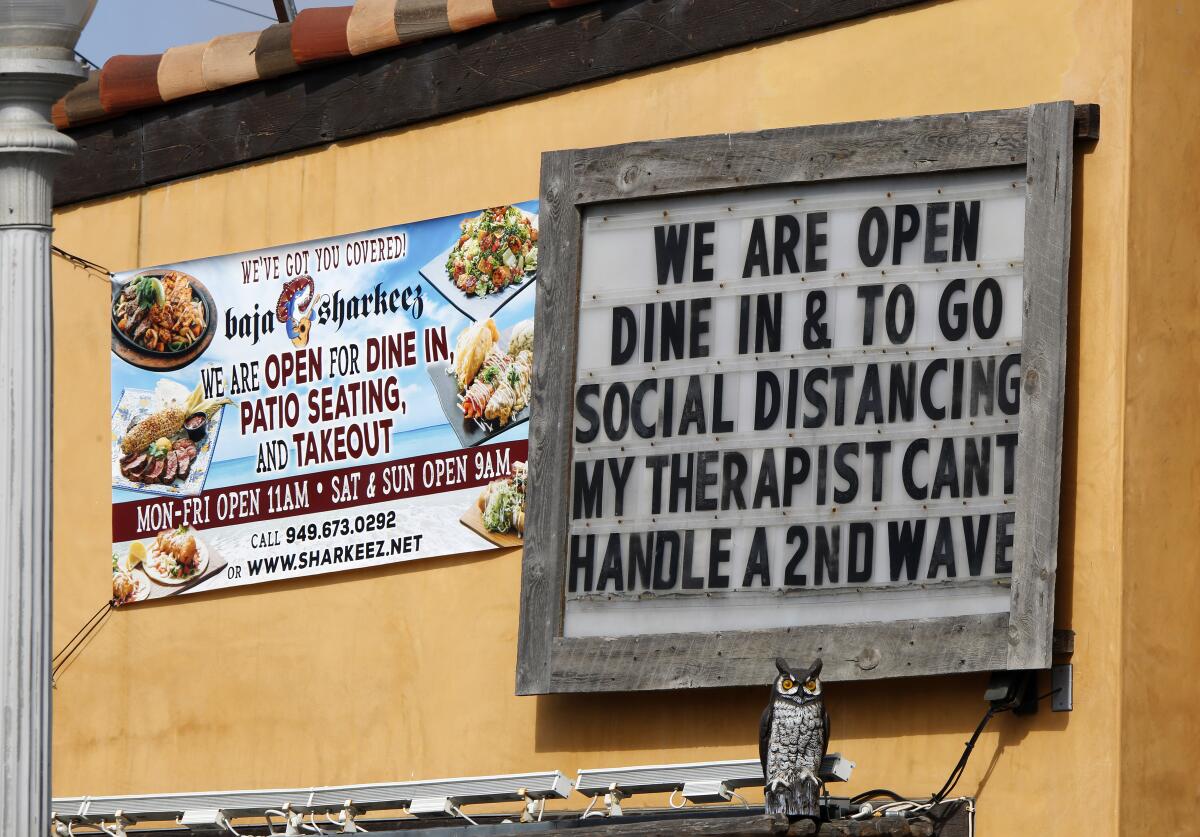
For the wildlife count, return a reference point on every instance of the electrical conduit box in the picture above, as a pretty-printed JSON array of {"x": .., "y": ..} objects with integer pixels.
[
  {"x": 709, "y": 791},
  {"x": 431, "y": 807}
]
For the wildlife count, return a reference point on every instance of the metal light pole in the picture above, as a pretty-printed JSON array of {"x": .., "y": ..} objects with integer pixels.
[{"x": 37, "y": 65}]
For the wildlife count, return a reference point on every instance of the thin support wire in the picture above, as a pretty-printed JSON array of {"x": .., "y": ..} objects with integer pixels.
[
  {"x": 242, "y": 9},
  {"x": 70, "y": 650},
  {"x": 80, "y": 261},
  {"x": 103, "y": 608}
]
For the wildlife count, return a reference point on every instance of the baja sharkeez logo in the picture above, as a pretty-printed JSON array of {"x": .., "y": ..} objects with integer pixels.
[{"x": 295, "y": 309}]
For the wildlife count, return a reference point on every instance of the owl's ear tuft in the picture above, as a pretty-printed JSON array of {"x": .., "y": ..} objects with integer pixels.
[
  {"x": 814, "y": 671},
  {"x": 782, "y": 665}
]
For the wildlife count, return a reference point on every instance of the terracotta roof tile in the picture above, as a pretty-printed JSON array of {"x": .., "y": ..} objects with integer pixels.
[
  {"x": 420, "y": 19},
  {"x": 181, "y": 72},
  {"x": 83, "y": 103},
  {"x": 320, "y": 34},
  {"x": 229, "y": 60},
  {"x": 273, "y": 55},
  {"x": 58, "y": 113},
  {"x": 130, "y": 82},
  {"x": 468, "y": 14},
  {"x": 372, "y": 26}
]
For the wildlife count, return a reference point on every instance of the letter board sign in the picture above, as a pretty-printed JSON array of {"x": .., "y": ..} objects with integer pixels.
[{"x": 805, "y": 399}]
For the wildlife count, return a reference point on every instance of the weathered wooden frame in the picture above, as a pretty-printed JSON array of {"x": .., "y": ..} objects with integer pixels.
[{"x": 1039, "y": 137}]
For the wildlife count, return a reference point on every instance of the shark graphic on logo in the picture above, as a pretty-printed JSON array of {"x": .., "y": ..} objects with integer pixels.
[{"x": 295, "y": 309}]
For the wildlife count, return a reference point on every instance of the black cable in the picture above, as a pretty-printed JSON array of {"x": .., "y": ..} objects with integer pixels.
[
  {"x": 70, "y": 651},
  {"x": 81, "y": 636},
  {"x": 960, "y": 768},
  {"x": 240, "y": 9},
  {"x": 103, "y": 608},
  {"x": 80, "y": 261},
  {"x": 61, "y": 664},
  {"x": 89, "y": 62},
  {"x": 871, "y": 794}
]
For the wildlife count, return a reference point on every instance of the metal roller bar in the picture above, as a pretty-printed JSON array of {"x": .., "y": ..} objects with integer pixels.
[
  {"x": 392, "y": 795},
  {"x": 456, "y": 792},
  {"x": 664, "y": 778}
]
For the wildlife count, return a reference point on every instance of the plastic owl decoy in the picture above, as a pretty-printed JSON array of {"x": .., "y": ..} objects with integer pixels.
[{"x": 793, "y": 737}]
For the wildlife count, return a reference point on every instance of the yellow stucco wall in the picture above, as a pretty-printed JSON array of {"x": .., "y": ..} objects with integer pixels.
[
  {"x": 407, "y": 671},
  {"x": 1161, "y": 540}
]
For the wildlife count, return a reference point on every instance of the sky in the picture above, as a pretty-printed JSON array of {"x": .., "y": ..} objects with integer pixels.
[{"x": 143, "y": 27}]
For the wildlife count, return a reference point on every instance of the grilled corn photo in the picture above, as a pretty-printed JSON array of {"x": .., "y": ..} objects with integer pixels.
[
  {"x": 164, "y": 423},
  {"x": 156, "y": 425}
]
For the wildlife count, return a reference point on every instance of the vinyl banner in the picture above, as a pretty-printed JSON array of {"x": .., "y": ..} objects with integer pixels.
[{"x": 323, "y": 406}]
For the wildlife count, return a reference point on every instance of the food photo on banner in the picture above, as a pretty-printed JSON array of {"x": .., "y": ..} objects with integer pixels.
[{"x": 316, "y": 407}]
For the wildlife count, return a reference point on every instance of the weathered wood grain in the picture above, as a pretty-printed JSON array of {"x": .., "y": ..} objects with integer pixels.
[
  {"x": 117, "y": 159},
  {"x": 761, "y": 824},
  {"x": 746, "y": 658},
  {"x": 557, "y": 315},
  {"x": 797, "y": 155},
  {"x": 1087, "y": 122},
  {"x": 517, "y": 8},
  {"x": 1049, "y": 177},
  {"x": 698, "y": 825},
  {"x": 381, "y": 91},
  {"x": 1064, "y": 642},
  {"x": 878, "y": 827},
  {"x": 1040, "y": 137}
]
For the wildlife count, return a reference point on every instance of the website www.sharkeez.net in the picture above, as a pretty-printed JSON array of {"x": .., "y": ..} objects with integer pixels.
[{"x": 341, "y": 554}]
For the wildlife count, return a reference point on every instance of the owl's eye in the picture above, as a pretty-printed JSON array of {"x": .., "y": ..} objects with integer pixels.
[
  {"x": 810, "y": 685},
  {"x": 788, "y": 683}
]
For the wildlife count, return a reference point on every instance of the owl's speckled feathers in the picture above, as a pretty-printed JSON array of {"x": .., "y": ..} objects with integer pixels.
[{"x": 793, "y": 736}]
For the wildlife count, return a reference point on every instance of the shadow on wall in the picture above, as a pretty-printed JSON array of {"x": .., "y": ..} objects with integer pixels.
[
  {"x": 1065, "y": 582},
  {"x": 729, "y": 717}
]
